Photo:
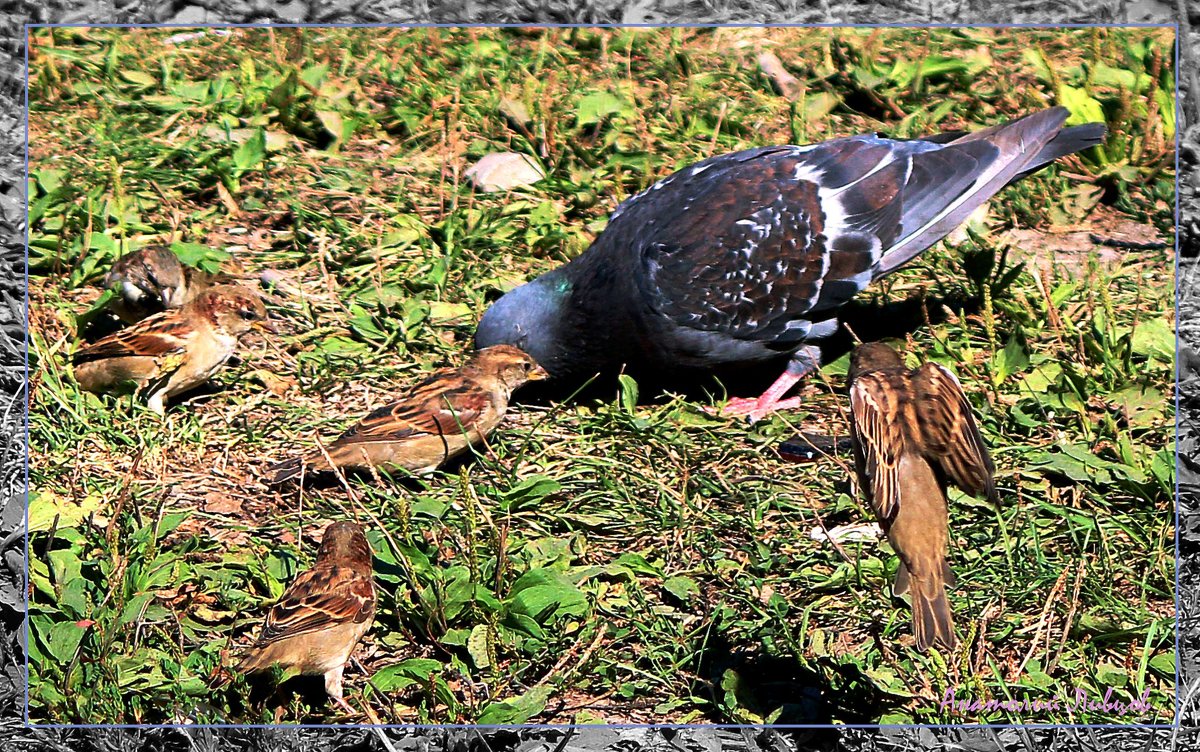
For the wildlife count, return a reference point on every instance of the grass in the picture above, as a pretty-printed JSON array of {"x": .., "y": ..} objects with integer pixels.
[{"x": 626, "y": 559}]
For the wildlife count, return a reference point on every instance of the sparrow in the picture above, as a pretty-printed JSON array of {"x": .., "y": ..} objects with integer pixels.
[
  {"x": 746, "y": 257},
  {"x": 173, "y": 351},
  {"x": 147, "y": 281},
  {"x": 323, "y": 615},
  {"x": 913, "y": 433},
  {"x": 438, "y": 419}
]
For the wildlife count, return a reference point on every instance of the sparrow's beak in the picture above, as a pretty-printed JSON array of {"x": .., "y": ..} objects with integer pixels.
[
  {"x": 538, "y": 374},
  {"x": 265, "y": 325},
  {"x": 169, "y": 296}
]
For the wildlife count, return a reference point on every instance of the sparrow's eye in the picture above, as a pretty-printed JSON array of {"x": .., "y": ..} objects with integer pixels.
[
  {"x": 247, "y": 314},
  {"x": 528, "y": 366}
]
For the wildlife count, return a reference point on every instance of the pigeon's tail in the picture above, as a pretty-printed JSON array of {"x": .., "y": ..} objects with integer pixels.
[
  {"x": 933, "y": 623},
  {"x": 1068, "y": 141},
  {"x": 948, "y": 182}
]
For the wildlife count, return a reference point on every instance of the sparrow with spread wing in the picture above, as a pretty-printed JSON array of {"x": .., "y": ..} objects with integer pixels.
[
  {"x": 438, "y": 419},
  {"x": 323, "y": 615},
  {"x": 173, "y": 351},
  {"x": 913, "y": 434}
]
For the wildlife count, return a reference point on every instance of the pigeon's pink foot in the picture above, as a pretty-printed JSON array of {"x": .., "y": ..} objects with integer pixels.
[
  {"x": 756, "y": 408},
  {"x": 804, "y": 362}
]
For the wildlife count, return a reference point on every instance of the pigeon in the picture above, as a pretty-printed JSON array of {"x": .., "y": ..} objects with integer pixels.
[
  {"x": 913, "y": 433},
  {"x": 173, "y": 351},
  {"x": 323, "y": 615},
  {"x": 438, "y": 419},
  {"x": 746, "y": 257}
]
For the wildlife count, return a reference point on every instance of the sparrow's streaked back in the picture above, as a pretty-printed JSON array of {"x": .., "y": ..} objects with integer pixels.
[
  {"x": 173, "y": 351},
  {"x": 437, "y": 420},
  {"x": 323, "y": 615},
  {"x": 913, "y": 434}
]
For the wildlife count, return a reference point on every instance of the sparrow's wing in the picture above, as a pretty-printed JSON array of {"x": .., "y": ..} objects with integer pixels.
[
  {"x": 878, "y": 440},
  {"x": 163, "y": 334},
  {"x": 320, "y": 598},
  {"x": 443, "y": 404},
  {"x": 952, "y": 439}
]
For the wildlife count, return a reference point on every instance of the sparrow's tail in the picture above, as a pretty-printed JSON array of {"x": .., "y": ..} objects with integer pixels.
[
  {"x": 251, "y": 661},
  {"x": 282, "y": 472},
  {"x": 948, "y": 181},
  {"x": 314, "y": 462},
  {"x": 933, "y": 622}
]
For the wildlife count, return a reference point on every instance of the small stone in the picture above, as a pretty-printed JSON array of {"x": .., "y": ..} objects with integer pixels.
[
  {"x": 503, "y": 172},
  {"x": 785, "y": 83}
]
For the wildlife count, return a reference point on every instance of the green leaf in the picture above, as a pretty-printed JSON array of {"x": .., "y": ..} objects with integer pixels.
[
  {"x": 63, "y": 639},
  {"x": 477, "y": 646},
  {"x": 818, "y": 105},
  {"x": 1164, "y": 663},
  {"x": 1111, "y": 674},
  {"x": 138, "y": 77},
  {"x": 597, "y": 106},
  {"x": 529, "y": 491},
  {"x": 1011, "y": 360},
  {"x": 406, "y": 674},
  {"x": 1166, "y": 109},
  {"x": 681, "y": 587},
  {"x": 1142, "y": 406},
  {"x": 629, "y": 393},
  {"x": 516, "y": 711},
  {"x": 250, "y": 153},
  {"x": 1154, "y": 338},
  {"x": 633, "y": 564},
  {"x": 1083, "y": 108},
  {"x": 545, "y": 595},
  {"x": 1070, "y": 467},
  {"x": 200, "y": 256},
  {"x": 45, "y": 506}
]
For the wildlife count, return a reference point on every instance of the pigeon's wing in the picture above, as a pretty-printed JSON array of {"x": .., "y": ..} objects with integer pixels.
[
  {"x": 1005, "y": 152},
  {"x": 322, "y": 597},
  {"x": 444, "y": 403},
  {"x": 951, "y": 437},
  {"x": 160, "y": 335},
  {"x": 878, "y": 440},
  {"x": 752, "y": 244}
]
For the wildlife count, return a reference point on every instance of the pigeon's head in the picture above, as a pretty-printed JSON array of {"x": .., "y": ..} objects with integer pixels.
[{"x": 529, "y": 317}]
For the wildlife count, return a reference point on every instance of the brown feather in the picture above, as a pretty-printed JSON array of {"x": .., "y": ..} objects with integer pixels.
[
  {"x": 323, "y": 614},
  {"x": 439, "y": 418},
  {"x": 913, "y": 431}
]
